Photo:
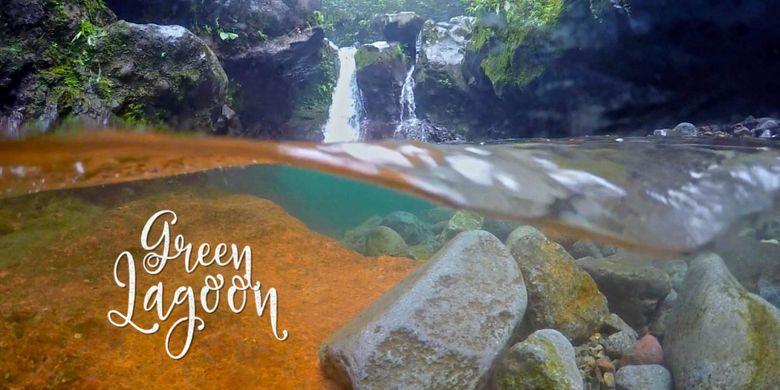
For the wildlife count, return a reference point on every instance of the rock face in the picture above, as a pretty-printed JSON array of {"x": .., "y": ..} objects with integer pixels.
[
  {"x": 252, "y": 21},
  {"x": 647, "y": 377},
  {"x": 381, "y": 71},
  {"x": 719, "y": 335},
  {"x": 165, "y": 72},
  {"x": 633, "y": 289},
  {"x": 443, "y": 94},
  {"x": 560, "y": 294},
  {"x": 545, "y": 360},
  {"x": 440, "y": 328},
  {"x": 617, "y": 51},
  {"x": 286, "y": 85}
]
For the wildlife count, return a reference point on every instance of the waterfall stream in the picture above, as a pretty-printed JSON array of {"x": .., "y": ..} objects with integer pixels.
[
  {"x": 408, "y": 125},
  {"x": 344, "y": 116}
]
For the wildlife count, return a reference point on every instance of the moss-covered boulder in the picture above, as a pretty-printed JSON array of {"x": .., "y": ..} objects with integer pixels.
[
  {"x": 383, "y": 241},
  {"x": 561, "y": 295},
  {"x": 545, "y": 360},
  {"x": 47, "y": 69},
  {"x": 163, "y": 74},
  {"x": 719, "y": 335},
  {"x": 381, "y": 71}
]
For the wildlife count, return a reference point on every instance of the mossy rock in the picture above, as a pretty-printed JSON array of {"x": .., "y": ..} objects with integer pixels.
[
  {"x": 561, "y": 295},
  {"x": 545, "y": 360},
  {"x": 383, "y": 241},
  {"x": 368, "y": 55}
]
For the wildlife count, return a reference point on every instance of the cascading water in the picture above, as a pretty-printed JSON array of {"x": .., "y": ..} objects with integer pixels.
[
  {"x": 344, "y": 116},
  {"x": 408, "y": 125}
]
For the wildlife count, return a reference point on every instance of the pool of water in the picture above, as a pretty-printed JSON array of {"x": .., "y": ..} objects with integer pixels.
[{"x": 343, "y": 236}]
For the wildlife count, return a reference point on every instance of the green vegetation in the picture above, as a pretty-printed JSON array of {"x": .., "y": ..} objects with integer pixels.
[
  {"x": 347, "y": 21},
  {"x": 503, "y": 27},
  {"x": 367, "y": 56}
]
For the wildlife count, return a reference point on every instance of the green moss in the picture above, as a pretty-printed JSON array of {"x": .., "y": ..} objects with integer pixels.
[
  {"x": 762, "y": 332},
  {"x": 537, "y": 374},
  {"x": 522, "y": 21},
  {"x": 367, "y": 56}
]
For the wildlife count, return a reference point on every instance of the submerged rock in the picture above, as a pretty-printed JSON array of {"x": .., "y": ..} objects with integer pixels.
[
  {"x": 356, "y": 238},
  {"x": 412, "y": 229},
  {"x": 462, "y": 221},
  {"x": 633, "y": 289},
  {"x": 647, "y": 350},
  {"x": 440, "y": 328},
  {"x": 646, "y": 377},
  {"x": 560, "y": 294},
  {"x": 545, "y": 360},
  {"x": 719, "y": 335},
  {"x": 383, "y": 241}
]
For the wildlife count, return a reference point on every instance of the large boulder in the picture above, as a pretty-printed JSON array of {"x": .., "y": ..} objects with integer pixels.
[
  {"x": 442, "y": 327},
  {"x": 719, "y": 335},
  {"x": 633, "y": 289},
  {"x": 163, "y": 72},
  {"x": 252, "y": 21},
  {"x": 560, "y": 294},
  {"x": 545, "y": 360},
  {"x": 284, "y": 85},
  {"x": 444, "y": 95},
  {"x": 381, "y": 71}
]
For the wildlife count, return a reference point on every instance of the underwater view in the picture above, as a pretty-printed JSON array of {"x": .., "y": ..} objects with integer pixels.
[{"x": 392, "y": 194}]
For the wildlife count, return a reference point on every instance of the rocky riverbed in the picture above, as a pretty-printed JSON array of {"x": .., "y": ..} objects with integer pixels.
[{"x": 608, "y": 320}]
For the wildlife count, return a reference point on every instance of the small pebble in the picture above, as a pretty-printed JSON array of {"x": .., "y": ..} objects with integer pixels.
[{"x": 609, "y": 380}]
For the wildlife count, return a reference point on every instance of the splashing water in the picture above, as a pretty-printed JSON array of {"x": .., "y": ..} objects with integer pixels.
[
  {"x": 344, "y": 115},
  {"x": 409, "y": 126},
  {"x": 652, "y": 194}
]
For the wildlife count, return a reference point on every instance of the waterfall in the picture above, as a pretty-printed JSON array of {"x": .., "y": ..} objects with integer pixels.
[
  {"x": 408, "y": 125},
  {"x": 344, "y": 116}
]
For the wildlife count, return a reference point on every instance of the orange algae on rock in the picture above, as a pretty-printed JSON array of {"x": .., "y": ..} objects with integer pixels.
[{"x": 57, "y": 293}]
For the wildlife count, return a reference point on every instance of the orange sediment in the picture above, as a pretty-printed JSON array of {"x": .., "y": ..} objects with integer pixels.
[{"x": 54, "y": 329}]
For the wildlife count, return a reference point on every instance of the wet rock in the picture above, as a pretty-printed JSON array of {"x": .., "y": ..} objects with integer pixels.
[
  {"x": 460, "y": 222},
  {"x": 545, "y": 360},
  {"x": 166, "y": 73},
  {"x": 356, "y": 238},
  {"x": 619, "y": 344},
  {"x": 499, "y": 228},
  {"x": 252, "y": 21},
  {"x": 633, "y": 289},
  {"x": 647, "y": 350},
  {"x": 381, "y": 71},
  {"x": 412, "y": 229},
  {"x": 442, "y": 92},
  {"x": 676, "y": 269},
  {"x": 284, "y": 85},
  {"x": 561, "y": 295},
  {"x": 685, "y": 129},
  {"x": 613, "y": 324},
  {"x": 719, "y": 335},
  {"x": 442, "y": 327},
  {"x": 402, "y": 27},
  {"x": 645, "y": 377},
  {"x": 587, "y": 248},
  {"x": 747, "y": 259},
  {"x": 383, "y": 241},
  {"x": 658, "y": 326},
  {"x": 436, "y": 215}
]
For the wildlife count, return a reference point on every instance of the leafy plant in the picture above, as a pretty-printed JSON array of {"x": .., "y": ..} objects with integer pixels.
[{"x": 227, "y": 36}]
